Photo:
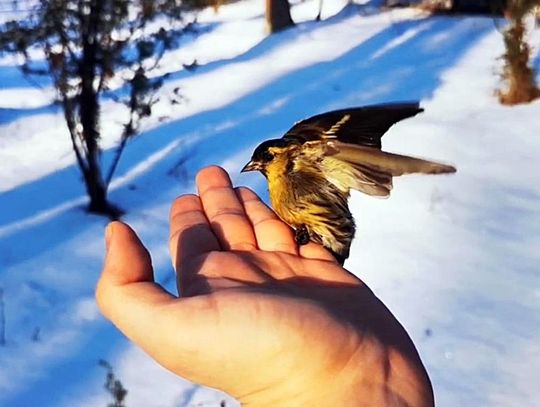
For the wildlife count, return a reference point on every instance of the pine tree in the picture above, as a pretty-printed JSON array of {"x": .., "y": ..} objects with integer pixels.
[{"x": 86, "y": 43}]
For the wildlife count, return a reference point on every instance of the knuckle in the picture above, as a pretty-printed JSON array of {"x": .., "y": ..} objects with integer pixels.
[
  {"x": 214, "y": 259},
  {"x": 185, "y": 203},
  {"x": 247, "y": 195},
  {"x": 221, "y": 213},
  {"x": 284, "y": 247},
  {"x": 212, "y": 191},
  {"x": 188, "y": 218},
  {"x": 243, "y": 246},
  {"x": 267, "y": 222}
]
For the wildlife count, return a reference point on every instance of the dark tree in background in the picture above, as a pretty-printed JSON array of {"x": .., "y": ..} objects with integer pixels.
[
  {"x": 86, "y": 44},
  {"x": 278, "y": 15},
  {"x": 517, "y": 72}
]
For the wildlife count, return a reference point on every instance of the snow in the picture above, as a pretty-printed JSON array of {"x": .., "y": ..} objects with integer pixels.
[{"x": 454, "y": 257}]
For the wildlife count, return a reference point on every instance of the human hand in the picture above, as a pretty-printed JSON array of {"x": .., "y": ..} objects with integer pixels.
[{"x": 271, "y": 323}]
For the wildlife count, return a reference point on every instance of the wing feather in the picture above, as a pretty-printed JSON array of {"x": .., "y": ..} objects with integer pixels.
[
  {"x": 346, "y": 176},
  {"x": 361, "y": 125},
  {"x": 393, "y": 164},
  {"x": 370, "y": 170},
  {"x": 346, "y": 146}
]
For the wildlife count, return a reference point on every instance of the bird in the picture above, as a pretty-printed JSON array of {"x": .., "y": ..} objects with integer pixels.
[{"x": 311, "y": 170}]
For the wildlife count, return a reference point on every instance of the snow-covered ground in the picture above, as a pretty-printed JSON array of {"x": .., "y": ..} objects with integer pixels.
[{"x": 456, "y": 258}]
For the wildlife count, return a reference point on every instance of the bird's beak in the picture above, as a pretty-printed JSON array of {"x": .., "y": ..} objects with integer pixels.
[{"x": 252, "y": 166}]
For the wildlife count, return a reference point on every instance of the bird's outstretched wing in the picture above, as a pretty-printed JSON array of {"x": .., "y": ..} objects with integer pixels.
[
  {"x": 361, "y": 125},
  {"x": 370, "y": 170},
  {"x": 347, "y": 144}
]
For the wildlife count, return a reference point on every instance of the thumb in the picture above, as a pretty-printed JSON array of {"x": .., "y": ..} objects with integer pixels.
[
  {"x": 126, "y": 292},
  {"x": 127, "y": 260},
  {"x": 148, "y": 315}
]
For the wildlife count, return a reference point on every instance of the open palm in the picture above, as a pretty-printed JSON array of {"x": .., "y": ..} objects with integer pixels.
[{"x": 269, "y": 322}]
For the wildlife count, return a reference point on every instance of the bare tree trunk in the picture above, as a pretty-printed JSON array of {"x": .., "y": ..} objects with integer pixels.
[
  {"x": 318, "y": 18},
  {"x": 518, "y": 73},
  {"x": 95, "y": 185},
  {"x": 89, "y": 116},
  {"x": 96, "y": 191},
  {"x": 278, "y": 15}
]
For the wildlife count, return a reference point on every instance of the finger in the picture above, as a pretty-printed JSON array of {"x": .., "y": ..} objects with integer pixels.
[
  {"x": 196, "y": 254},
  {"x": 126, "y": 292},
  {"x": 272, "y": 233},
  {"x": 190, "y": 232},
  {"x": 314, "y": 251},
  {"x": 224, "y": 211},
  {"x": 143, "y": 310}
]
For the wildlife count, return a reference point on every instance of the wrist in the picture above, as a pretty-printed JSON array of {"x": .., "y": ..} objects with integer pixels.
[{"x": 386, "y": 378}]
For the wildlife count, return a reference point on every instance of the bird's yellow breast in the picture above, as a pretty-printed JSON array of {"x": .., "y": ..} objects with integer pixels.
[
  {"x": 281, "y": 187},
  {"x": 294, "y": 186},
  {"x": 302, "y": 196}
]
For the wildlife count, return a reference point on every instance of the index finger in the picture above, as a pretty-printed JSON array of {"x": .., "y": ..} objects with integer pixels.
[
  {"x": 190, "y": 232},
  {"x": 224, "y": 211}
]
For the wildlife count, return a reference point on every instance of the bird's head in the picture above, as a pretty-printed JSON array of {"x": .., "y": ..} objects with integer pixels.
[{"x": 265, "y": 154}]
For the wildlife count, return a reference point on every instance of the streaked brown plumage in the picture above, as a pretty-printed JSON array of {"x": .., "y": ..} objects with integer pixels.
[{"x": 311, "y": 170}]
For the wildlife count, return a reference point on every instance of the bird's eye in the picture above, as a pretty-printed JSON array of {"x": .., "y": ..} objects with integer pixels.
[{"x": 267, "y": 156}]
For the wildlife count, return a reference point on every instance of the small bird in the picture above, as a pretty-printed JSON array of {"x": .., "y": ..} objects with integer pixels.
[{"x": 312, "y": 168}]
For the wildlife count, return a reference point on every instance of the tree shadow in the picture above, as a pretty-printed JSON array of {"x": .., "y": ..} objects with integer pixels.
[
  {"x": 13, "y": 78},
  {"x": 9, "y": 115}
]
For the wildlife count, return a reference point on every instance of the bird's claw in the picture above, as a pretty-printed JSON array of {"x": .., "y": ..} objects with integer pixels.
[{"x": 301, "y": 235}]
